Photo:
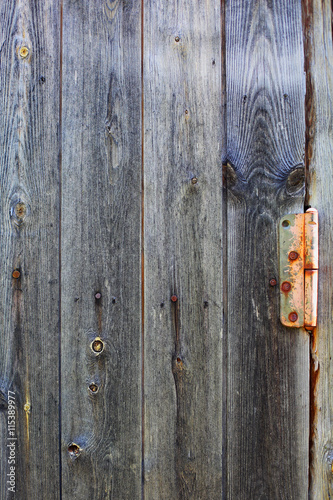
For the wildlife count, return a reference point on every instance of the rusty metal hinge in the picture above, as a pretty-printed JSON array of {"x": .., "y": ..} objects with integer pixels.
[{"x": 299, "y": 269}]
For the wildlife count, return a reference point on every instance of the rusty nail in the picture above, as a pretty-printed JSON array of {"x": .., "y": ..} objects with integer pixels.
[
  {"x": 293, "y": 317},
  {"x": 194, "y": 180},
  {"x": 98, "y": 295},
  {"x": 293, "y": 255},
  {"x": 273, "y": 282},
  {"x": 97, "y": 345},
  {"x": 174, "y": 298},
  {"x": 16, "y": 274},
  {"x": 177, "y": 39},
  {"x": 186, "y": 112},
  {"x": 286, "y": 286}
]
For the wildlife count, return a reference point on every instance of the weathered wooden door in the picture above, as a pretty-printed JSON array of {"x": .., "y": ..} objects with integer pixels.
[{"x": 147, "y": 152}]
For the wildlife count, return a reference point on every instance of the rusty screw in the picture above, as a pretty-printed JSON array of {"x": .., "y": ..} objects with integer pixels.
[
  {"x": 98, "y": 295},
  {"x": 273, "y": 282},
  {"x": 16, "y": 274},
  {"x": 194, "y": 180},
  {"x": 293, "y": 317},
  {"x": 177, "y": 39},
  {"x": 286, "y": 286},
  {"x": 174, "y": 298},
  {"x": 293, "y": 255}
]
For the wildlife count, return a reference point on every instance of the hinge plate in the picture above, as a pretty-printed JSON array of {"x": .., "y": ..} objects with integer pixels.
[{"x": 299, "y": 269}]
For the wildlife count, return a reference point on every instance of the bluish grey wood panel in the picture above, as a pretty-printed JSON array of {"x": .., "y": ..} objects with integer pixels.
[
  {"x": 268, "y": 365},
  {"x": 29, "y": 246},
  {"x": 182, "y": 250},
  {"x": 100, "y": 250}
]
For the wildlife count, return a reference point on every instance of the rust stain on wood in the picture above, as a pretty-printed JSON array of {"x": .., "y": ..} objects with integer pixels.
[
  {"x": 310, "y": 111},
  {"x": 314, "y": 379}
]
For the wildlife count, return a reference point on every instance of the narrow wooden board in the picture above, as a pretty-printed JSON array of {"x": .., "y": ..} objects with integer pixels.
[
  {"x": 319, "y": 155},
  {"x": 182, "y": 250},
  {"x": 268, "y": 364},
  {"x": 100, "y": 250},
  {"x": 29, "y": 243}
]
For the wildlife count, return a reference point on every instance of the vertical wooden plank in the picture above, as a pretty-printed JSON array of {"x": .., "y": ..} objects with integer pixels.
[
  {"x": 29, "y": 245},
  {"x": 182, "y": 250},
  {"x": 268, "y": 365},
  {"x": 100, "y": 245},
  {"x": 319, "y": 153}
]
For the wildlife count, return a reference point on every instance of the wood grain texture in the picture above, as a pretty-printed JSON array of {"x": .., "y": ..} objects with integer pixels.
[
  {"x": 182, "y": 250},
  {"x": 268, "y": 365},
  {"x": 319, "y": 109},
  {"x": 100, "y": 250},
  {"x": 29, "y": 228}
]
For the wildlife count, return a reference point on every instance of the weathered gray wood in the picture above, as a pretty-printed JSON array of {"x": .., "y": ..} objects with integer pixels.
[
  {"x": 182, "y": 250},
  {"x": 100, "y": 249},
  {"x": 319, "y": 154},
  {"x": 29, "y": 228},
  {"x": 268, "y": 365}
]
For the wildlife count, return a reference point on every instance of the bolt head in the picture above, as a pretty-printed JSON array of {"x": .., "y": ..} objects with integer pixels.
[
  {"x": 293, "y": 255},
  {"x": 98, "y": 295},
  {"x": 16, "y": 274},
  {"x": 174, "y": 298},
  {"x": 273, "y": 282},
  {"x": 293, "y": 317},
  {"x": 286, "y": 286}
]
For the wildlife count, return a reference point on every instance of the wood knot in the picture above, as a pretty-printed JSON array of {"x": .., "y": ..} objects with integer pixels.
[
  {"x": 295, "y": 181},
  {"x": 229, "y": 175},
  {"x": 178, "y": 364},
  {"x": 74, "y": 450},
  {"x": 27, "y": 407},
  {"x": 93, "y": 387},
  {"x": 18, "y": 212},
  {"x": 24, "y": 52},
  {"x": 97, "y": 345}
]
